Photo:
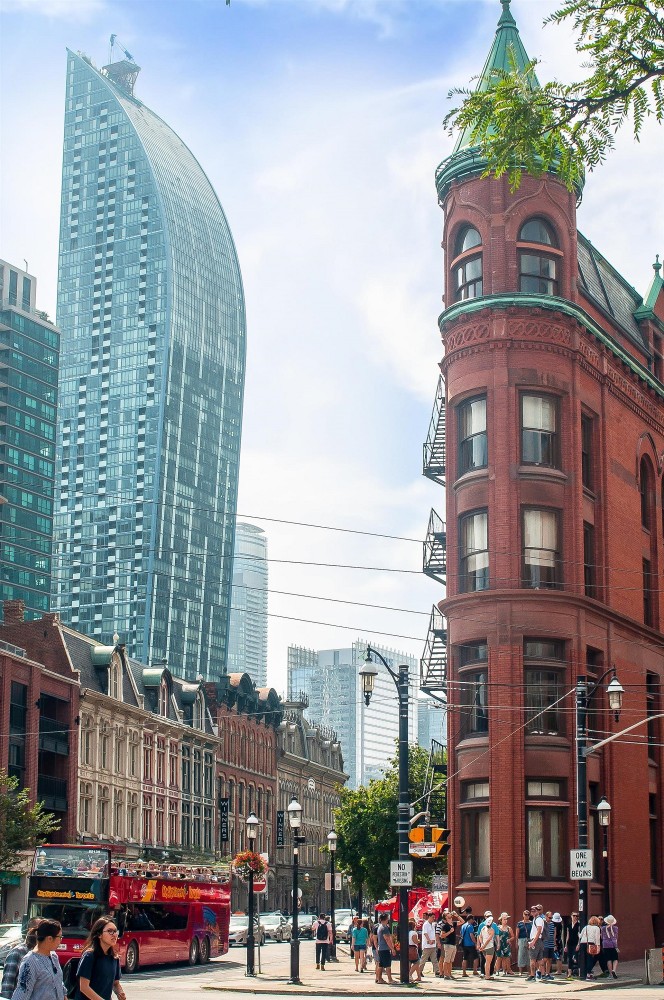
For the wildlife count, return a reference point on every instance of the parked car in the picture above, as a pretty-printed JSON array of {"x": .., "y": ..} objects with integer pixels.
[
  {"x": 238, "y": 927},
  {"x": 10, "y": 936},
  {"x": 342, "y": 927},
  {"x": 277, "y": 927}
]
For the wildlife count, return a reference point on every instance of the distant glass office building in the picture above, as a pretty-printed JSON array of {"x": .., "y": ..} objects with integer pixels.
[
  {"x": 330, "y": 679},
  {"x": 431, "y": 723},
  {"x": 247, "y": 645},
  {"x": 151, "y": 308},
  {"x": 29, "y": 347}
]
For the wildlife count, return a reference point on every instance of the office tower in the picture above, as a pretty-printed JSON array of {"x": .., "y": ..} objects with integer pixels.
[
  {"x": 431, "y": 723},
  {"x": 151, "y": 308},
  {"x": 247, "y": 644},
  {"x": 330, "y": 679},
  {"x": 29, "y": 347}
]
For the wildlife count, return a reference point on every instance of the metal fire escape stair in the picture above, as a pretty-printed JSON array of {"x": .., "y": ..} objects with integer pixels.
[
  {"x": 434, "y": 561},
  {"x": 433, "y": 665},
  {"x": 433, "y": 465}
]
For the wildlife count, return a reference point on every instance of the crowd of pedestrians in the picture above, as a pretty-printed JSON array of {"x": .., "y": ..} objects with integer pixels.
[{"x": 541, "y": 946}]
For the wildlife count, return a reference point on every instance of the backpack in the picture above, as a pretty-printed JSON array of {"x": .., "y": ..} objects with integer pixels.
[
  {"x": 70, "y": 976},
  {"x": 322, "y": 931}
]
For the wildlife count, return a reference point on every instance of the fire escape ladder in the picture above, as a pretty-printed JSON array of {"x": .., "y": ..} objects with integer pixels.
[
  {"x": 433, "y": 665},
  {"x": 433, "y": 465},
  {"x": 434, "y": 562}
]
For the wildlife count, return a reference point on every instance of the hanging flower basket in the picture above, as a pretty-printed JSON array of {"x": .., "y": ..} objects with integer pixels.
[{"x": 249, "y": 863}]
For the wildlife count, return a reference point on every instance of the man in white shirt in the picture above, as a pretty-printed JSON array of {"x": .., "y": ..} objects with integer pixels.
[
  {"x": 428, "y": 942},
  {"x": 536, "y": 944}
]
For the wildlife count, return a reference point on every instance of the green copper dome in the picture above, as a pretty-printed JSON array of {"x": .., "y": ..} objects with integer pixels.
[{"x": 507, "y": 52}]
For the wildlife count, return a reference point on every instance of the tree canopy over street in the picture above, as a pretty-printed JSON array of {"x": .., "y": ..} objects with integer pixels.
[
  {"x": 519, "y": 125},
  {"x": 22, "y": 826},
  {"x": 366, "y": 825}
]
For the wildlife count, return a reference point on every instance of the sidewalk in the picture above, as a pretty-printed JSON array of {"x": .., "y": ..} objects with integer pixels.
[{"x": 340, "y": 979}]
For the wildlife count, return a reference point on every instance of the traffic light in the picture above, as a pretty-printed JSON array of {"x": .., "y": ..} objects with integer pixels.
[{"x": 428, "y": 841}]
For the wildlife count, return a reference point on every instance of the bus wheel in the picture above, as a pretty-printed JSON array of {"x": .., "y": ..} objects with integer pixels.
[
  {"x": 193, "y": 951},
  {"x": 131, "y": 958},
  {"x": 204, "y": 951}
]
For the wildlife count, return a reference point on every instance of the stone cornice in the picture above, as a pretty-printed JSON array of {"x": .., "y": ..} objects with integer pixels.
[{"x": 553, "y": 304}]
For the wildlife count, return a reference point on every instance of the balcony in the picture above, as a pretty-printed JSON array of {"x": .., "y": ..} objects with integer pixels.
[
  {"x": 53, "y": 736},
  {"x": 433, "y": 665},
  {"x": 433, "y": 465},
  {"x": 434, "y": 562},
  {"x": 53, "y": 793}
]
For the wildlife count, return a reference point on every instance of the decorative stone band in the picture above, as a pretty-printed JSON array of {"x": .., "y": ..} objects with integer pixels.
[{"x": 554, "y": 304}]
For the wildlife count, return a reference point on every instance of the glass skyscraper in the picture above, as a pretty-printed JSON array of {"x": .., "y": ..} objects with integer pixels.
[
  {"x": 247, "y": 645},
  {"x": 29, "y": 345},
  {"x": 151, "y": 308},
  {"x": 330, "y": 678}
]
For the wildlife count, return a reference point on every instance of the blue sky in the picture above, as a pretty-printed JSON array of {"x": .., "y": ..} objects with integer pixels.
[{"x": 319, "y": 125}]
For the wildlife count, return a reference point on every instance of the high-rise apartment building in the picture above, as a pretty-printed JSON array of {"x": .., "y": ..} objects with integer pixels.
[
  {"x": 29, "y": 347},
  {"x": 330, "y": 679},
  {"x": 151, "y": 308},
  {"x": 247, "y": 644}
]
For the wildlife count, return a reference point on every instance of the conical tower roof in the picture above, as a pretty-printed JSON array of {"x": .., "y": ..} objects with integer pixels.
[{"x": 506, "y": 53}]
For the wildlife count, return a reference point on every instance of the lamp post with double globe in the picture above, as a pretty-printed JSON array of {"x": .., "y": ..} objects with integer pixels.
[
  {"x": 295, "y": 822},
  {"x": 604, "y": 819},
  {"x": 252, "y": 832}
]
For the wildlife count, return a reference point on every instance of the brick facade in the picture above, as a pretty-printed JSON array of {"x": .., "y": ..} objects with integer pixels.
[{"x": 570, "y": 566}]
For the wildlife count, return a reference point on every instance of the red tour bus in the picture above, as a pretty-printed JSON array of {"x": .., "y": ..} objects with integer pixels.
[{"x": 165, "y": 913}]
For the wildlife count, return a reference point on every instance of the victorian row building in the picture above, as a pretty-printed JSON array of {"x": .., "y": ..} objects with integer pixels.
[{"x": 153, "y": 765}]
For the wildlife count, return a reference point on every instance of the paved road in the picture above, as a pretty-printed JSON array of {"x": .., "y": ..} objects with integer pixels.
[{"x": 225, "y": 977}]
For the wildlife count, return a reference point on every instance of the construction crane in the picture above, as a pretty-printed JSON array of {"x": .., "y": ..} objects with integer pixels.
[{"x": 114, "y": 42}]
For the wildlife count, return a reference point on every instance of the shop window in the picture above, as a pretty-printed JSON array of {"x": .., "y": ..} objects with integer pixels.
[
  {"x": 545, "y": 833},
  {"x": 538, "y": 271},
  {"x": 474, "y": 552},
  {"x": 539, "y": 431},
  {"x": 475, "y": 844},
  {"x": 541, "y": 549},
  {"x": 472, "y": 435}
]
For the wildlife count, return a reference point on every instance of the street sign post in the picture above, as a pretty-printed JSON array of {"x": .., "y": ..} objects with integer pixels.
[
  {"x": 581, "y": 865},
  {"x": 423, "y": 850},
  {"x": 401, "y": 873}
]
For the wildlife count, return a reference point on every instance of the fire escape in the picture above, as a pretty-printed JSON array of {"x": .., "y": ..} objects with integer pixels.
[{"x": 433, "y": 667}]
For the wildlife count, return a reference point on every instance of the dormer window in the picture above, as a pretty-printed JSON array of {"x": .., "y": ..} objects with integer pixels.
[
  {"x": 163, "y": 697},
  {"x": 115, "y": 678},
  {"x": 198, "y": 712},
  {"x": 538, "y": 269},
  {"x": 467, "y": 265}
]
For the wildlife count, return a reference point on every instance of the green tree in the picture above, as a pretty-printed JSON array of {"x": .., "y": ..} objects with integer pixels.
[
  {"x": 22, "y": 826},
  {"x": 366, "y": 825},
  {"x": 519, "y": 125}
]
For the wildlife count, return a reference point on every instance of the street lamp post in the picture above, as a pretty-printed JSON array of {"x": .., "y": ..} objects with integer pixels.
[
  {"x": 584, "y": 695},
  {"x": 400, "y": 678},
  {"x": 295, "y": 822},
  {"x": 332, "y": 847},
  {"x": 604, "y": 818},
  {"x": 252, "y": 831}
]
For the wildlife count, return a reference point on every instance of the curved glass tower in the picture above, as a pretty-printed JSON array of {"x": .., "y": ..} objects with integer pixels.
[{"x": 151, "y": 307}]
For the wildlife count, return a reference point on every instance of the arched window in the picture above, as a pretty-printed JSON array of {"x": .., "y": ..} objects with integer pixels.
[
  {"x": 115, "y": 678},
  {"x": 538, "y": 271},
  {"x": 198, "y": 713},
  {"x": 646, "y": 491},
  {"x": 467, "y": 266},
  {"x": 163, "y": 697}
]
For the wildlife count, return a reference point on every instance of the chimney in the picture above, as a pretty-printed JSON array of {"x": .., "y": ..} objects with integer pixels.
[{"x": 14, "y": 612}]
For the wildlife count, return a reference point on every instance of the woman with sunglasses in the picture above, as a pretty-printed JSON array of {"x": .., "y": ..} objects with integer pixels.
[{"x": 99, "y": 968}]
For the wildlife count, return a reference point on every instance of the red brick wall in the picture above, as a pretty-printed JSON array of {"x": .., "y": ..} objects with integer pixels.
[{"x": 501, "y": 352}]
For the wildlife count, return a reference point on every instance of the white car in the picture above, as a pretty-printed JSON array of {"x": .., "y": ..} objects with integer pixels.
[
  {"x": 238, "y": 927},
  {"x": 10, "y": 937},
  {"x": 277, "y": 927}
]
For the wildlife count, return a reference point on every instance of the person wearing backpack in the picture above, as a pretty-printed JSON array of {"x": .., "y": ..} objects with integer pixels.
[
  {"x": 98, "y": 971},
  {"x": 321, "y": 931}
]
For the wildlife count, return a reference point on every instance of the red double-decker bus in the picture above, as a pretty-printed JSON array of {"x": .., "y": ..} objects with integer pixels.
[{"x": 164, "y": 913}]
